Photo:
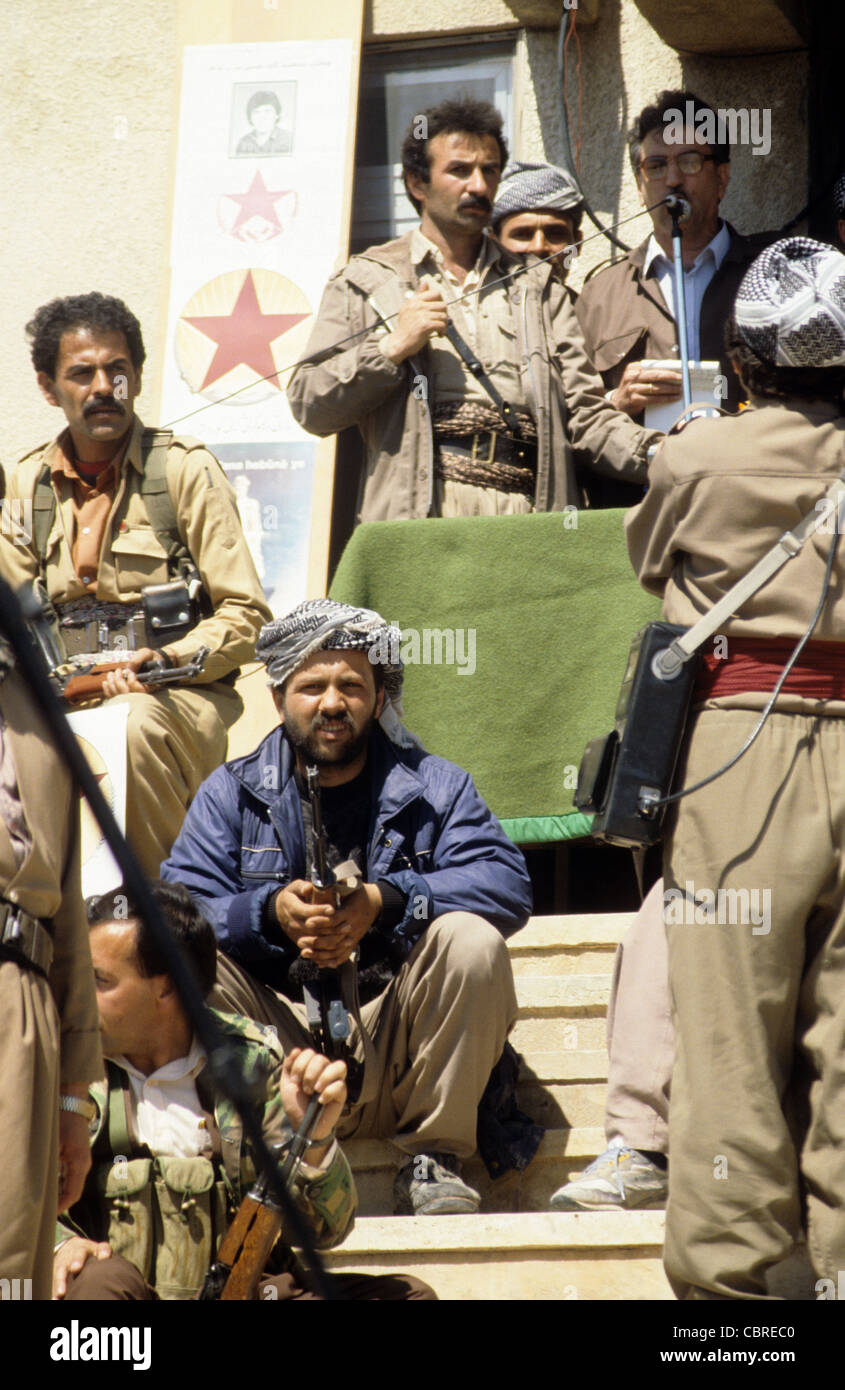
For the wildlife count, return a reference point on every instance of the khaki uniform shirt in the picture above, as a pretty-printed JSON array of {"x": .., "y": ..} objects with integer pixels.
[
  {"x": 132, "y": 556},
  {"x": 482, "y": 314}
]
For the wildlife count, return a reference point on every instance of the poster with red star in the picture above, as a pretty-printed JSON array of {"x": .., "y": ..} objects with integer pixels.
[{"x": 260, "y": 218}]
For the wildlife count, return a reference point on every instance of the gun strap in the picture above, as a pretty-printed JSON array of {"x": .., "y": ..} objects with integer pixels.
[
  {"x": 827, "y": 509},
  {"x": 470, "y": 360}
]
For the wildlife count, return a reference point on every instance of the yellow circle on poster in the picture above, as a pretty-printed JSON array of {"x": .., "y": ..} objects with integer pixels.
[{"x": 241, "y": 329}]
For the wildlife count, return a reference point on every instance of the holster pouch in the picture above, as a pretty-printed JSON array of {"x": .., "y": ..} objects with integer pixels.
[
  {"x": 192, "y": 1209},
  {"x": 167, "y": 1216},
  {"x": 125, "y": 1186},
  {"x": 170, "y": 612}
]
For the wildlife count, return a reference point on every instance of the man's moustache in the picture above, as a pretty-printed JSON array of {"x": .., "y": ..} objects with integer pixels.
[
  {"x": 103, "y": 405},
  {"x": 483, "y": 203}
]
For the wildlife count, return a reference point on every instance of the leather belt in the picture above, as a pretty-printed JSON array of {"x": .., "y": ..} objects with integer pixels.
[
  {"x": 98, "y": 635},
  {"x": 24, "y": 938},
  {"x": 491, "y": 446}
]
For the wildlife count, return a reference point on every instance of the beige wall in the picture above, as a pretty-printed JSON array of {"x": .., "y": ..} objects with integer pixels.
[{"x": 88, "y": 109}]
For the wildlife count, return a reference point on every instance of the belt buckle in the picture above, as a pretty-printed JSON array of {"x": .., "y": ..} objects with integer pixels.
[
  {"x": 10, "y": 932},
  {"x": 491, "y": 447}
]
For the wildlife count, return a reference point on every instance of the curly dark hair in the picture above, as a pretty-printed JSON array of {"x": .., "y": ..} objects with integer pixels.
[
  {"x": 466, "y": 117},
  {"x": 188, "y": 925},
  {"x": 766, "y": 379},
  {"x": 100, "y": 313},
  {"x": 653, "y": 117}
]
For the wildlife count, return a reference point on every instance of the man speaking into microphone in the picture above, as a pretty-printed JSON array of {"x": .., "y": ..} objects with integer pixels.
[{"x": 627, "y": 311}]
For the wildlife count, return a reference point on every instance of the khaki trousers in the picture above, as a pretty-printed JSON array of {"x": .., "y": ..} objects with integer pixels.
[
  {"x": 640, "y": 1035},
  {"x": 175, "y": 739},
  {"x": 759, "y": 1004},
  {"x": 29, "y": 1124},
  {"x": 437, "y": 1032}
]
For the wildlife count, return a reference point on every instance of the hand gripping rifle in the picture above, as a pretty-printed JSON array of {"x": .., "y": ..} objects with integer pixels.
[
  {"x": 257, "y": 1224},
  {"x": 88, "y": 684},
  {"x": 330, "y": 995}
]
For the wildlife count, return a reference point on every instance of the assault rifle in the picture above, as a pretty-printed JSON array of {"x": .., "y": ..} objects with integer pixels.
[
  {"x": 75, "y": 683},
  {"x": 329, "y": 994},
  {"x": 88, "y": 683}
]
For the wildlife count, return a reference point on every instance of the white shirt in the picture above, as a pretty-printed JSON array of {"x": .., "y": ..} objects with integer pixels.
[
  {"x": 168, "y": 1115},
  {"x": 696, "y": 280}
]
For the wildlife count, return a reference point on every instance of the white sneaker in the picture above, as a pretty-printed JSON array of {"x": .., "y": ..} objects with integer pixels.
[{"x": 620, "y": 1178}]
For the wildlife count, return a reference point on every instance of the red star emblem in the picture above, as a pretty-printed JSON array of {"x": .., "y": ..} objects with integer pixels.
[
  {"x": 258, "y": 201},
  {"x": 243, "y": 336}
]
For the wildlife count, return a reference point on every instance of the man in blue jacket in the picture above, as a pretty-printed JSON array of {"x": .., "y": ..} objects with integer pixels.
[{"x": 443, "y": 886}]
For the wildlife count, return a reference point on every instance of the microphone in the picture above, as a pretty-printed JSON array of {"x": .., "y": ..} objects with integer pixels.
[{"x": 678, "y": 207}]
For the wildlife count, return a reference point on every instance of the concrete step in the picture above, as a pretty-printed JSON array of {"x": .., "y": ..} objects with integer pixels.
[
  {"x": 555, "y": 996},
  {"x": 542, "y": 1255},
  {"x": 576, "y": 932},
  {"x": 568, "y": 945},
  {"x": 561, "y": 1153},
  {"x": 561, "y": 1013}
]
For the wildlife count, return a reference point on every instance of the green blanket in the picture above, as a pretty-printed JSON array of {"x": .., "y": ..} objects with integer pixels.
[{"x": 521, "y": 626}]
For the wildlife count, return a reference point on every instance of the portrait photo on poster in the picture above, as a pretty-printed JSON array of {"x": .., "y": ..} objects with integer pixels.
[{"x": 262, "y": 119}]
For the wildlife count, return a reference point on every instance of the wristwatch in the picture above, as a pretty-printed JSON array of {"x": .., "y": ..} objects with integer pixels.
[{"x": 78, "y": 1107}]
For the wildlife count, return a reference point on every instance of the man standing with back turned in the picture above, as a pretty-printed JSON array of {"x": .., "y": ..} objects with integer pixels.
[{"x": 753, "y": 859}]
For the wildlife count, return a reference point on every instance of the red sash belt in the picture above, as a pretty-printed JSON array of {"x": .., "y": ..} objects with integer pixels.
[{"x": 755, "y": 663}]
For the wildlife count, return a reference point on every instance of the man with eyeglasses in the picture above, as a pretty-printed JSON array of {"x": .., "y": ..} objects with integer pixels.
[{"x": 627, "y": 310}]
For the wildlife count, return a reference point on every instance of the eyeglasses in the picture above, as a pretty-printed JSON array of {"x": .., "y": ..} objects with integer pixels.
[{"x": 654, "y": 169}]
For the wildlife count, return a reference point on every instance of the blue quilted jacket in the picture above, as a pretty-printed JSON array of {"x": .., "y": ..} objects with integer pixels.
[{"x": 430, "y": 835}]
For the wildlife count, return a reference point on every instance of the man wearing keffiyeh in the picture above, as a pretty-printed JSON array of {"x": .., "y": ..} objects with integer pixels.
[
  {"x": 538, "y": 210},
  {"x": 758, "y": 986},
  {"x": 443, "y": 887}
]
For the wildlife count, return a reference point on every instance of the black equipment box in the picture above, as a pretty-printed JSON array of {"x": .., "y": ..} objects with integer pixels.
[{"x": 623, "y": 775}]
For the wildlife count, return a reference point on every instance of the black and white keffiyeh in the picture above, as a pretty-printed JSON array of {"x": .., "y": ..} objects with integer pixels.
[
  {"x": 528, "y": 187},
  {"x": 790, "y": 306},
  {"x": 322, "y": 624},
  {"x": 839, "y": 196}
]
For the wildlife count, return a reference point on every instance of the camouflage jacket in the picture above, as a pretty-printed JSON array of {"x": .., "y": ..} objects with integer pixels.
[{"x": 325, "y": 1197}]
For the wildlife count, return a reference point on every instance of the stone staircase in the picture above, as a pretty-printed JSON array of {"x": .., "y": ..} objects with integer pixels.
[{"x": 515, "y": 1248}]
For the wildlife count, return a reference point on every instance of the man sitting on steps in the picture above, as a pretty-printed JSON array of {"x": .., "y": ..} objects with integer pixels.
[{"x": 443, "y": 886}]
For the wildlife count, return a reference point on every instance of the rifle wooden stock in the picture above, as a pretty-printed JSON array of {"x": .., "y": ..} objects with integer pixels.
[
  {"x": 89, "y": 686},
  {"x": 247, "y": 1246}
]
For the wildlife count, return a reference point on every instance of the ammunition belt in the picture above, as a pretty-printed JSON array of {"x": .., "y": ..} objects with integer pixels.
[
  {"x": 472, "y": 445},
  {"x": 89, "y": 626}
]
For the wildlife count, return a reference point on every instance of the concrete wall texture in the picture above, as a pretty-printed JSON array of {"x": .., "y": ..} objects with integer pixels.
[{"x": 88, "y": 112}]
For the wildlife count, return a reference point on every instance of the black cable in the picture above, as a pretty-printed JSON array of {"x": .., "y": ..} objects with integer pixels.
[
  {"x": 222, "y": 1059},
  {"x": 565, "y": 18},
  {"x": 687, "y": 791}
]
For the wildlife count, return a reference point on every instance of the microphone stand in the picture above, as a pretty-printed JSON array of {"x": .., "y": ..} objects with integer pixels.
[
  {"x": 676, "y": 212},
  {"x": 222, "y": 1061}
]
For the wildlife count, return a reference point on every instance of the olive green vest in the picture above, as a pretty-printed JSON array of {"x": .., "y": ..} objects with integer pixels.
[{"x": 167, "y": 1216}]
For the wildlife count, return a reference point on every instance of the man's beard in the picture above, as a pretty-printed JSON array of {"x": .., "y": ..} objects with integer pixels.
[{"x": 340, "y": 755}]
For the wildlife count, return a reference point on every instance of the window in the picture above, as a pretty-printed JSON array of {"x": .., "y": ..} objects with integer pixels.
[{"x": 395, "y": 86}]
